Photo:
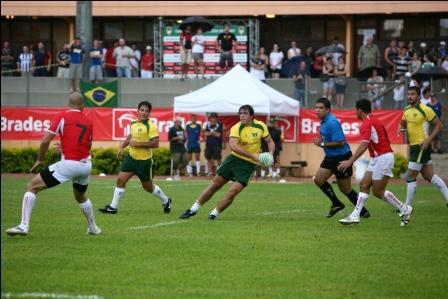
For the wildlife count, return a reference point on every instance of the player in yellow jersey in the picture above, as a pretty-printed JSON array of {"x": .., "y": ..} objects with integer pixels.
[
  {"x": 415, "y": 115},
  {"x": 143, "y": 138},
  {"x": 239, "y": 166}
]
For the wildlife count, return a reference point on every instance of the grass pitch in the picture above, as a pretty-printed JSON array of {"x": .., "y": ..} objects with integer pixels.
[{"x": 273, "y": 242}]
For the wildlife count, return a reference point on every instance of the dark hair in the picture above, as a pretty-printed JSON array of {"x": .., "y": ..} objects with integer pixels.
[
  {"x": 247, "y": 107},
  {"x": 426, "y": 90},
  {"x": 145, "y": 103},
  {"x": 364, "y": 105},
  {"x": 415, "y": 88},
  {"x": 324, "y": 101}
]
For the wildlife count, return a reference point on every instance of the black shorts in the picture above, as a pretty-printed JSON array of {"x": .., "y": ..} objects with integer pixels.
[
  {"x": 213, "y": 152},
  {"x": 332, "y": 164},
  {"x": 226, "y": 56},
  {"x": 196, "y": 148}
]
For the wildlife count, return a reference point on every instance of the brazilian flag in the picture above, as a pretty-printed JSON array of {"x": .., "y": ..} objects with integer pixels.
[{"x": 100, "y": 95}]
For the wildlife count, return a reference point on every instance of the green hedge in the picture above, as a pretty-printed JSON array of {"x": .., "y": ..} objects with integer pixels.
[
  {"x": 103, "y": 160},
  {"x": 400, "y": 166}
]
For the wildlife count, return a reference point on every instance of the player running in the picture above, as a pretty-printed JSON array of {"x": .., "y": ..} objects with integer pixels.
[
  {"x": 76, "y": 133},
  {"x": 374, "y": 137}
]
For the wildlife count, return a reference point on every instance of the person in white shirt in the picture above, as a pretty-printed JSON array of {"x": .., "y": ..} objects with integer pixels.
[
  {"x": 198, "y": 41},
  {"x": 294, "y": 51},
  {"x": 26, "y": 62},
  {"x": 426, "y": 97},
  {"x": 399, "y": 93},
  {"x": 123, "y": 54},
  {"x": 275, "y": 61},
  {"x": 336, "y": 56},
  {"x": 135, "y": 61}
]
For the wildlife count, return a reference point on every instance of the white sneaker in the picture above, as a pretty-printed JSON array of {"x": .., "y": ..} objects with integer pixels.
[
  {"x": 405, "y": 216},
  {"x": 17, "y": 231},
  {"x": 349, "y": 220},
  {"x": 94, "y": 232}
]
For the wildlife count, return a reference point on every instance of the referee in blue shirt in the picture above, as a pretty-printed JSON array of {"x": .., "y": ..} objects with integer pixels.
[{"x": 336, "y": 149}]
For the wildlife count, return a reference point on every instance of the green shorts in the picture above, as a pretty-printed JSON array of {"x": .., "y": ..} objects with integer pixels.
[
  {"x": 417, "y": 155},
  {"x": 236, "y": 169},
  {"x": 142, "y": 168}
]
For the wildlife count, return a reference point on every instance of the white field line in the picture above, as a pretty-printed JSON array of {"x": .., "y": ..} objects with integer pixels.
[
  {"x": 281, "y": 212},
  {"x": 49, "y": 295},
  {"x": 158, "y": 225}
]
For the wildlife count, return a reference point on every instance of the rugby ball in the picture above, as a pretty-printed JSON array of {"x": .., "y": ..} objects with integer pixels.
[{"x": 265, "y": 159}]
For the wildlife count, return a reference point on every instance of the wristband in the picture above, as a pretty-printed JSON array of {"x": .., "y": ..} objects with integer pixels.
[{"x": 322, "y": 144}]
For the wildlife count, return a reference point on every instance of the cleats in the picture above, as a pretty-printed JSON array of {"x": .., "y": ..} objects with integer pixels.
[
  {"x": 13, "y": 231},
  {"x": 167, "y": 206},
  {"x": 94, "y": 232},
  {"x": 211, "y": 217},
  {"x": 405, "y": 216},
  {"x": 187, "y": 214},
  {"x": 349, "y": 220},
  {"x": 108, "y": 210},
  {"x": 365, "y": 214},
  {"x": 334, "y": 210}
]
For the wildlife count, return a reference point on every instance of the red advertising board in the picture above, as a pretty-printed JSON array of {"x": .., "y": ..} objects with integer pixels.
[{"x": 113, "y": 124}]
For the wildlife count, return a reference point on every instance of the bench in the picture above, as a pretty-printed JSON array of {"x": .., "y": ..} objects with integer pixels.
[{"x": 296, "y": 169}]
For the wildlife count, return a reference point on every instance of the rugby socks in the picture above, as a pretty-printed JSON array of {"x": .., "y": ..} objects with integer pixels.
[
  {"x": 215, "y": 212},
  {"x": 354, "y": 199},
  {"x": 118, "y": 194},
  {"x": 87, "y": 209},
  {"x": 198, "y": 167},
  {"x": 440, "y": 184},
  {"x": 189, "y": 168},
  {"x": 262, "y": 173},
  {"x": 360, "y": 201},
  {"x": 410, "y": 192},
  {"x": 29, "y": 200},
  {"x": 159, "y": 193},
  {"x": 328, "y": 190},
  {"x": 195, "y": 207},
  {"x": 394, "y": 201}
]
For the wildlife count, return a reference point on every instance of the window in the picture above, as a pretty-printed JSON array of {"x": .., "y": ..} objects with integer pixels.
[
  {"x": 133, "y": 30},
  {"x": 20, "y": 31},
  {"x": 5, "y": 31},
  {"x": 443, "y": 27},
  {"x": 392, "y": 29},
  {"x": 149, "y": 31},
  {"x": 41, "y": 30},
  {"x": 113, "y": 30},
  {"x": 335, "y": 27}
]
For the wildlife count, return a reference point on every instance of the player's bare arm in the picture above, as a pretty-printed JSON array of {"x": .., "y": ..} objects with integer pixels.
[
  {"x": 437, "y": 128},
  {"x": 344, "y": 165},
  {"x": 234, "y": 146},
  {"x": 123, "y": 146},
  {"x": 401, "y": 127},
  {"x": 45, "y": 143},
  {"x": 153, "y": 143}
]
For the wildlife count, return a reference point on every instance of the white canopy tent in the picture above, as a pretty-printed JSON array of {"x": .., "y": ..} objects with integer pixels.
[{"x": 231, "y": 91}]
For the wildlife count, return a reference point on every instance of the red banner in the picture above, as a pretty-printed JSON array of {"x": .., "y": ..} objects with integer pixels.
[
  {"x": 310, "y": 124},
  {"x": 113, "y": 124}
]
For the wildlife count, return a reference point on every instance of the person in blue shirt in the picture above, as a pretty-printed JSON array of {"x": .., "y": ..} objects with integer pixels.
[
  {"x": 437, "y": 141},
  {"x": 76, "y": 61},
  {"x": 336, "y": 149},
  {"x": 213, "y": 144},
  {"x": 96, "y": 62},
  {"x": 193, "y": 131}
]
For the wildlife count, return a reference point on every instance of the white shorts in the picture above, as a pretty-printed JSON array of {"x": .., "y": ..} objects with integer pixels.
[
  {"x": 381, "y": 166},
  {"x": 69, "y": 170},
  {"x": 146, "y": 74},
  {"x": 418, "y": 166}
]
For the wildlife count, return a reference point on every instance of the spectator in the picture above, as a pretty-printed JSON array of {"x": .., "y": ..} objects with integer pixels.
[
  {"x": 442, "y": 49},
  {"x": 76, "y": 61},
  {"x": 402, "y": 63},
  {"x": 293, "y": 51},
  {"x": 225, "y": 43},
  {"x": 368, "y": 55},
  {"x": 300, "y": 79},
  {"x": 427, "y": 63},
  {"x": 176, "y": 136},
  {"x": 336, "y": 55},
  {"x": 185, "y": 50},
  {"x": 415, "y": 63},
  {"x": 193, "y": 131},
  {"x": 309, "y": 54},
  {"x": 213, "y": 144},
  {"x": 390, "y": 54},
  {"x": 123, "y": 54},
  {"x": 426, "y": 96},
  {"x": 444, "y": 64},
  {"x": 110, "y": 61},
  {"x": 437, "y": 107},
  {"x": 258, "y": 67},
  {"x": 147, "y": 65},
  {"x": 96, "y": 57},
  {"x": 277, "y": 137},
  {"x": 63, "y": 59},
  {"x": 264, "y": 57},
  {"x": 198, "y": 52},
  {"x": 42, "y": 60},
  {"x": 135, "y": 61},
  {"x": 423, "y": 50},
  {"x": 375, "y": 88},
  {"x": 25, "y": 62},
  {"x": 8, "y": 60},
  {"x": 327, "y": 77},
  {"x": 399, "y": 93},
  {"x": 411, "y": 49},
  {"x": 340, "y": 82},
  {"x": 318, "y": 66},
  {"x": 275, "y": 60},
  {"x": 401, "y": 45}
]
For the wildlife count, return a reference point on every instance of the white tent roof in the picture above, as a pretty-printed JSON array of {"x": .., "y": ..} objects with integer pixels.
[{"x": 236, "y": 88}]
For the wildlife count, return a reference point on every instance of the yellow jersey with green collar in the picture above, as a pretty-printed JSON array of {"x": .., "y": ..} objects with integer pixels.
[
  {"x": 142, "y": 132},
  {"x": 415, "y": 118},
  {"x": 249, "y": 137}
]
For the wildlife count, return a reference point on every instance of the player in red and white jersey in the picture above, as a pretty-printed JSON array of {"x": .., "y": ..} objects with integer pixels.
[
  {"x": 75, "y": 130},
  {"x": 374, "y": 137}
]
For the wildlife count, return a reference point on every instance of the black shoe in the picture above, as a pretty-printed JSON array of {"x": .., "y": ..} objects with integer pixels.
[
  {"x": 365, "y": 214},
  {"x": 211, "y": 217},
  {"x": 187, "y": 214},
  {"x": 334, "y": 210},
  {"x": 167, "y": 206},
  {"x": 108, "y": 210}
]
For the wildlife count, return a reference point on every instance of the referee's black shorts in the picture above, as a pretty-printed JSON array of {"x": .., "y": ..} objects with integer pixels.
[{"x": 332, "y": 164}]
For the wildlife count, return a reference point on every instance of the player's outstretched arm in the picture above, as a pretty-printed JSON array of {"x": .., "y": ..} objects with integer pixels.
[
  {"x": 45, "y": 143},
  {"x": 343, "y": 165}
]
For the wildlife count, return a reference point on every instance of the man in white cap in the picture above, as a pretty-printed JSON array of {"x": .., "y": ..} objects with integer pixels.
[
  {"x": 147, "y": 63},
  {"x": 423, "y": 50}
]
